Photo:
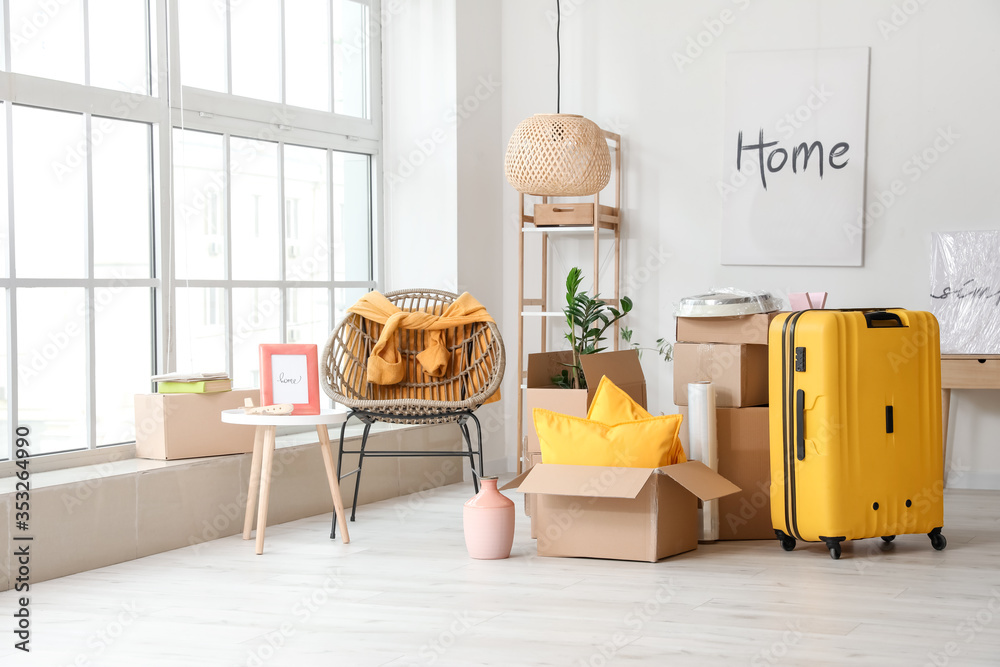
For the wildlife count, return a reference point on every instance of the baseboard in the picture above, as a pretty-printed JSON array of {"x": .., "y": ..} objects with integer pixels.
[{"x": 971, "y": 479}]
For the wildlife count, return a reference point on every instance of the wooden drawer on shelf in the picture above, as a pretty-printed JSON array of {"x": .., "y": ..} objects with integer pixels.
[
  {"x": 549, "y": 215},
  {"x": 970, "y": 373},
  {"x": 574, "y": 215}
]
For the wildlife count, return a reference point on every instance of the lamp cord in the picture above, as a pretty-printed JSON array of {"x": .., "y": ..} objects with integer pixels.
[{"x": 558, "y": 56}]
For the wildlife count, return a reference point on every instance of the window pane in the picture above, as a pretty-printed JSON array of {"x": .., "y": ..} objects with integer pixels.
[
  {"x": 257, "y": 49},
  {"x": 51, "y": 367},
  {"x": 351, "y": 215},
  {"x": 255, "y": 209},
  {"x": 4, "y": 219},
  {"x": 122, "y": 182},
  {"x": 203, "y": 44},
  {"x": 50, "y": 193},
  {"x": 47, "y": 39},
  {"x": 307, "y": 225},
  {"x": 201, "y": 329},
  {"x": 307, "y": 53},
  {"x": 119, "y": 38},
  {"x": 4, "y": 425},
  {"x": 344, "y": 298},
  {"x": 123, "y": 344},
  {"x": 350, "y": 59},
  {"x": 309, "y": 316},
  {"x": 199, "y": 205},
  {"x": 256, "y": 320}
]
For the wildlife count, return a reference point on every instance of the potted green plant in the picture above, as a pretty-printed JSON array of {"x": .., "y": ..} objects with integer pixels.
[{"x": 588, "y": 318}]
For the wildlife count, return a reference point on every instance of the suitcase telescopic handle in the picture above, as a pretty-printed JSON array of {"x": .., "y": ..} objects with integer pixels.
[{"x": 882, "y": 319}]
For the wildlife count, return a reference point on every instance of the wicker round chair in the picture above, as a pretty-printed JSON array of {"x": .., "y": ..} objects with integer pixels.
[{"x": 476, "y": 371}]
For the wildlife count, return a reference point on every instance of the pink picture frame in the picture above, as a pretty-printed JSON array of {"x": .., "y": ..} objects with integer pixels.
[{"x": 289, "y": 373}]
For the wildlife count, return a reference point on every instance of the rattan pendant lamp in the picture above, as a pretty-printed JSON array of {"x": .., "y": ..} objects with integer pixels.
[{"x": 558, "y": 155}]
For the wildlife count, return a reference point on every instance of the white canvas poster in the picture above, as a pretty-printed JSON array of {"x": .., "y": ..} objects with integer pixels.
[
  {"x": 794, "y": 154},
  {"x": 290, "y": 378}
]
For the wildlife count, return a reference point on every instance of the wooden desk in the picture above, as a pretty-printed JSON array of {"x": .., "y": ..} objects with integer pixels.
[
  {"x": 965, "y": 371},
  {"x": 263, "y": 456}
]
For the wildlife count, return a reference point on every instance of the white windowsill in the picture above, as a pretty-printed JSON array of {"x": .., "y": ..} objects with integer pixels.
[{"x": 132, "y": 465}]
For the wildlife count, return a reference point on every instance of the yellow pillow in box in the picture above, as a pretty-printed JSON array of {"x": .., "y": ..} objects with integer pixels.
[
  {"x": 644, "y": 443},
  {"x": 612, "y": 405}
]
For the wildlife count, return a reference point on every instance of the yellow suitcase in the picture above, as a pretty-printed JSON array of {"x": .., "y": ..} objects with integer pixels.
[{"x": 855, "y": 425}]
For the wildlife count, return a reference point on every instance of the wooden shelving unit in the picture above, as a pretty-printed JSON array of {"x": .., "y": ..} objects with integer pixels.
[{"x": 589, "y": 217}]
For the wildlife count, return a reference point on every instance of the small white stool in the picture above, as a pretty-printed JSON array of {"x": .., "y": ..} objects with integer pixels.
[{"x": 263, "y": 457}]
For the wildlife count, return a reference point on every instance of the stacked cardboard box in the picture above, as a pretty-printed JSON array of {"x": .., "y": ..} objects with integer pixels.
[{"x": 731, "y": 352}]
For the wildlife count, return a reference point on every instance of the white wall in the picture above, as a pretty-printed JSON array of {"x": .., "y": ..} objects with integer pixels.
[
  {"x": 937, "y": 71},
  {"x": 443, "y": 174}
]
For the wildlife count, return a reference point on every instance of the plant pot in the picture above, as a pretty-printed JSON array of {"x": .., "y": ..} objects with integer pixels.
[{"x": 488, "y": 519}]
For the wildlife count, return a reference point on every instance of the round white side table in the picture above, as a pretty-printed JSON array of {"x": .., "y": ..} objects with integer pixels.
[{"x": 263, "y": 457}]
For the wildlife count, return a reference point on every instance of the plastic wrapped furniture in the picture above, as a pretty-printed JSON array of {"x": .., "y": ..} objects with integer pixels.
[{"x": 474, "y": 375}]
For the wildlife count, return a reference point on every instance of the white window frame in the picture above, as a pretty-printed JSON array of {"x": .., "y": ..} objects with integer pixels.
[{"x": 172, "y": 106}]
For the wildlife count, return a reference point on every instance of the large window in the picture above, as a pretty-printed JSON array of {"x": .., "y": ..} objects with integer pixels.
[{"x": 172, "y": 213}]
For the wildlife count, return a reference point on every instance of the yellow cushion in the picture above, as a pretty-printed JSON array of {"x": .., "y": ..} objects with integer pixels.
[
  {"x": 611, "y": 405},
  {"x": 644, "y": 443}
]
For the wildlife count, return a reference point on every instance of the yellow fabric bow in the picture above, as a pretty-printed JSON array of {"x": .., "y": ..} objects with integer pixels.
[{"x": 385, "y": 364}]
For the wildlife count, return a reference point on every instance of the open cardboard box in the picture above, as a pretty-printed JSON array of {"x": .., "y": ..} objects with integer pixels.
[
  {"x": 621, "y": 367},
  {"x": 642, "y": 514}
]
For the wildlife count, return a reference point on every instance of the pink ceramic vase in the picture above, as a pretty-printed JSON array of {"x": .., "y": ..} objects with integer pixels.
[{"x": 488, "y": 518}]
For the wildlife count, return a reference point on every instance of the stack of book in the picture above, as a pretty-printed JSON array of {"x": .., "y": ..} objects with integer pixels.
[{"x": 192, "y": 383}]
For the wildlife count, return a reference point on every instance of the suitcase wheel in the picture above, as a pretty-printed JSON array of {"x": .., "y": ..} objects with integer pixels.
[
  {"x": 787, "y": 541},
  {"x": 938, "y": 540},
  {"x": 833, "y": 544},
  {"x": 888, "y": 538}
]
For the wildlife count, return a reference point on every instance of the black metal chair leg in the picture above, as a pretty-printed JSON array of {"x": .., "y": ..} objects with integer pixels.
[
  {"x": 340, "y": 460},
  {"x": 467, "y": 437},
  {"x": 361, "y": 461},
  {"x": 479, "y": 437}
]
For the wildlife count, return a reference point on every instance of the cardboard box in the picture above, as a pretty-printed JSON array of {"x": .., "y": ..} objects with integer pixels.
[
  {"x": 621, "y": 367},
  {"x": 739, "y": 372},
  {"x": 742, "y": 329},
  {"x": 642, "y": 514},
  {"x": 184, "y": 426},
  {"x": 744, "y": 459}
]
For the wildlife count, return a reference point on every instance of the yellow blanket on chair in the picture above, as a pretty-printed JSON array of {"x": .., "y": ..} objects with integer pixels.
[{"x": 385, "y": 364}]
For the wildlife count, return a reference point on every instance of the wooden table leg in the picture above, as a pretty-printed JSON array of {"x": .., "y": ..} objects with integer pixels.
[
  {"x": 332, "y": 475},
  {"x": 265, "y": 486},
  {"x": 254, "y": 490},
  {"x": 945, "y": 414}
]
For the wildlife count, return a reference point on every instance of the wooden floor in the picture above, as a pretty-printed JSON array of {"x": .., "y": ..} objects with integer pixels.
[{"x": 404, "y": 592}]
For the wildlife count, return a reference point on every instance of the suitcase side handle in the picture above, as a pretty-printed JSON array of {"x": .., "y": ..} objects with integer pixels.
[
  {"x": 880, "y": 319},
  {"x": 800, "y": 425}
]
